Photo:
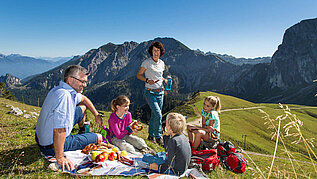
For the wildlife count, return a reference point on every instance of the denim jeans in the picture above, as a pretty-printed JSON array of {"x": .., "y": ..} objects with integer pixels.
[
  {"x": 74, "y": 142},
  {"x": 155, "y": 101}
]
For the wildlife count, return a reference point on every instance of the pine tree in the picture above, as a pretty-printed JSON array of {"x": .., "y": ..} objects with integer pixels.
[{"x": 5, "y": 93}]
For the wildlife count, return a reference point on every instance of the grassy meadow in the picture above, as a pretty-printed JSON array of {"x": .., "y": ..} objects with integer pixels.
[{"x": 20, "y": 156}]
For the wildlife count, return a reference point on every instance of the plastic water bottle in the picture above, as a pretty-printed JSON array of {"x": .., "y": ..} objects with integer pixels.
[
  {"x": 87, "y": 126},
  {"x": 169, "y": 83}
]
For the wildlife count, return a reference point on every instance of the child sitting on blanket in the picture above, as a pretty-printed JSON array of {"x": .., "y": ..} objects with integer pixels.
[
  {"x": 210, "y": 129},
  {"x": 176, "y": 146},
  {"x": 120, "y": 129}
]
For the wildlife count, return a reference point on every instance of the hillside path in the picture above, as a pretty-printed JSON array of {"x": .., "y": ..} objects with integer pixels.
[{"x": 197, "y": 121}]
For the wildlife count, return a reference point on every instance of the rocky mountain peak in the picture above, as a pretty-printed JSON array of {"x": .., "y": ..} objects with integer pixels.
[
  {"x": 10, "y": 80},
  {"x": 171, "y": 44},
  {"x": 297, "y": 54}
]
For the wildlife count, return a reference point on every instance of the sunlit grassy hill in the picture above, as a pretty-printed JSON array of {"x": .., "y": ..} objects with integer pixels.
[
  {"x": 240, "y": 117},
  {"x": 20, "y": 156}
]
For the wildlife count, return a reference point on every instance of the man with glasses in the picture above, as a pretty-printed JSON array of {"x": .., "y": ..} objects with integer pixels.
[{"x": 63, "y": 108}]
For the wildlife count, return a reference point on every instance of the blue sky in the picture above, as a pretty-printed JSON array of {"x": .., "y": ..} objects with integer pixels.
[{"x": 246, "y": 28}]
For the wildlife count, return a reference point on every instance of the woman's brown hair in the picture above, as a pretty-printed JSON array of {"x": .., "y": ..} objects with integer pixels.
[{"x": 158, "y": 45}]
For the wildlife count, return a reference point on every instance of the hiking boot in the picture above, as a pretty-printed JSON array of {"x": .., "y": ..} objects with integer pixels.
[
  {"x": 151, "y": 151},
  {"x": 143, "y": 151},
  {"x": 148, "y": 150},
  {"x": 160, "y": 141},
  {"x": 151, "y": 139},
  {"x": 199, "y": 168}
]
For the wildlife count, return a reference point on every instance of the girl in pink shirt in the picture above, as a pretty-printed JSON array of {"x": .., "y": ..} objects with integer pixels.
[{"x": 120, "y": 128}]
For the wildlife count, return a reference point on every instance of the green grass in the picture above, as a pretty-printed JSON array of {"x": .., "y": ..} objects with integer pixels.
[
  {"x": 250, "y": 122},
  {"x": 20, "y": 157}
]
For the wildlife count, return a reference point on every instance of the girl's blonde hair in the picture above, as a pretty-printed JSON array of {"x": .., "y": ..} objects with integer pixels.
[
  {"x": 177, "y": 122},
  {"x": 120, "y": 100},
  {"x": 215, "y": 102}
]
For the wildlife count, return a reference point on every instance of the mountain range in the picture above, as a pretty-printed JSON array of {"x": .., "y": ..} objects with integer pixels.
[
  {"x": 238, "y": 61},
  {"x": 286, "y": 77},
  {"x": 24, "y": 66}
]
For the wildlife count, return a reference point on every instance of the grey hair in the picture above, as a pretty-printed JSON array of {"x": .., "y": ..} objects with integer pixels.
[{"x": 73, "y": 70}]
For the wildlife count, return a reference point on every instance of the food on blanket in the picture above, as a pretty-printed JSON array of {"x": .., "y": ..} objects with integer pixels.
[
  {"x": 135, "y": 125},
  {"x": 115, "y": 149},
  {"x": 105, "y": 150},
  {"x": 112, "y": 156},
  {"x": 100, "y": 158},
  {"x": 109, "y": 146},
  {"x": 102, "y": 147},
  {"x": 94, "y": 154},
  {"x": 124, "y": 160},
  {"x": 123, "y": 153},
  {"x": 105, "y": 154},
  {"x": 89, "y": 148},
  {"x": 214, "y": 137}
]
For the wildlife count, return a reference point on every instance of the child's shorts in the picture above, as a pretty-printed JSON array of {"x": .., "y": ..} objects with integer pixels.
[{"x": 210, "y": 144}]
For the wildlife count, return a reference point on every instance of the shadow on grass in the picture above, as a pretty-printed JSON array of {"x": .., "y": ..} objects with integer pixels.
[{"x": 20, "y": 160}]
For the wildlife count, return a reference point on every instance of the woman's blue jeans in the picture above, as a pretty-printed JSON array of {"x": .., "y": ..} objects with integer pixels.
[{"x": 155, "y": 101}]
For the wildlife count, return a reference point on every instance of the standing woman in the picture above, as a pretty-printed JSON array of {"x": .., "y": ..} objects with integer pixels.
[{"x": 153, "y": 69}]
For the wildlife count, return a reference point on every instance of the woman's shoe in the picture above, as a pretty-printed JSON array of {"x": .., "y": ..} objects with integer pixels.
[
  {"x": 151, "y": 139},
  {"x": 160, "y": 141}
]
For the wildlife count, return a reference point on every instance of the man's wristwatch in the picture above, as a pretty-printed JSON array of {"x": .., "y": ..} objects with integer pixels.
[{"x": 146, "y": 80}]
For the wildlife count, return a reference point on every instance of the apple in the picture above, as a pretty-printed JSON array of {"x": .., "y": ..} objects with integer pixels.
[
  {"x": 105, "y": 154},
  {"x": 115, "y": 149},
  {"x": 112, "y": 156},
  {"x": 100, "y": 158},
  {"x": 124, "y": 153},
  {"x": 94, "y": 155}
]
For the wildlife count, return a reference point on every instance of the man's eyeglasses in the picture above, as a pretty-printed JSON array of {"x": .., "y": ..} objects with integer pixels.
[{"x": 82, "y": 81}]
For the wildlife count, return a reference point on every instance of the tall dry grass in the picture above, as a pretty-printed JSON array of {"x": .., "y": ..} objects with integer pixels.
[{"x": 285, "y": 126}]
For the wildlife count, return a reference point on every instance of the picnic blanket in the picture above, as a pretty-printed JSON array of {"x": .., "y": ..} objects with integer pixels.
[{"x": 84, "y": 167}]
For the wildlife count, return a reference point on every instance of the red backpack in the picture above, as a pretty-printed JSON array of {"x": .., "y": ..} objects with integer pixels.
[
  {"x": 207, "y": 158},
  {"x": 230, "y": 158}
]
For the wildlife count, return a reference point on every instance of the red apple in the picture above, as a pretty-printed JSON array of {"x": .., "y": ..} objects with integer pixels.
[
  {"x": 112, "y": 156},
  {"x": 100, "y": 158},
  {"x": 105, "y": 154}
]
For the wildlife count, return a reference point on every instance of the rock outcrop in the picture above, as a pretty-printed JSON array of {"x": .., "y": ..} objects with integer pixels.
[
  {"x": 10, "y": 80},
  {"x": 295, "y": 61}
]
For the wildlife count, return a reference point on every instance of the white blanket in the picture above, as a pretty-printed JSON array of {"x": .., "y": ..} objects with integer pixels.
[{"x": 117, "y": 168}]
